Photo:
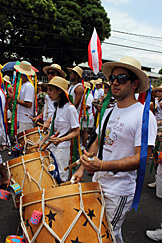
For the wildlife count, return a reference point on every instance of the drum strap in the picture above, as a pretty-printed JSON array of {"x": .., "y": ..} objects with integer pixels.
[{"x": 103, "y": 135}]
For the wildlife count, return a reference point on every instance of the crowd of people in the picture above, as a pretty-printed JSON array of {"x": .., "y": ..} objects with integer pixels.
[{"x": 113, "y": 132}]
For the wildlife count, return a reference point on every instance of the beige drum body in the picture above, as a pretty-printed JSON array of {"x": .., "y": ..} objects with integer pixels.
[
  {"x": 29, "y": 138},
  {"x": 31, "y": 172},
  {"x": 73, "y": 213}
]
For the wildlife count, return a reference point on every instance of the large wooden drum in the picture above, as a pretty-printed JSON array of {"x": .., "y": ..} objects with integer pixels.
[
  {"x": 73, "y": 213},
  {"x": 29, "y": 138},
  {"x": 31, "y": 172}
]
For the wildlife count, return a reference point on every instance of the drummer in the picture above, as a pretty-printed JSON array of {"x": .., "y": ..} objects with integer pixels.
[
  {"x": 51, "y": 71},
  {"x": 26, "y": 99},
  {"x": 65, "y": 121}
]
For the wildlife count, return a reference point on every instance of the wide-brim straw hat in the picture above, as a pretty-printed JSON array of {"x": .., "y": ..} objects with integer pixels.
[
  {"x": 76, "y": 69},
  {"x": 132, "y": 64},
  {"x": 7, "y": 79},
  {"x": 59, "y": 82},
  {"x": 55, "y": 67},
  {"x": 87, "y": 85},
  {"x": 99, "y": 81},
  {"x": 158, "y": 88},
  {"x": 93, "y": 82},
  {"x": 25, "y": 68}
]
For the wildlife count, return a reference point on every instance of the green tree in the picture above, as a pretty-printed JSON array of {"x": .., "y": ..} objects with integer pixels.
[{"x": 55, "y": 29}]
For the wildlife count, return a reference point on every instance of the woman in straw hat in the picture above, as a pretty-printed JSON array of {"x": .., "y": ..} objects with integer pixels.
[
  {"x": 120, "y": 145},
  {"x": 51, "y": 71},
  {"x": 65, "y": 121}
]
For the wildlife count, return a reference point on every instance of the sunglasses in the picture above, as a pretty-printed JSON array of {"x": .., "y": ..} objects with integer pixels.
[
  {"x": 52, "y": 73},
  {"x": 121, "y": 78}
]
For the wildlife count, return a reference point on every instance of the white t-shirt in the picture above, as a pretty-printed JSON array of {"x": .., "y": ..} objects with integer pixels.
[
  {"x": 65, "y": 120},
  {"x": 48, "y": 108},
  {"x": 158, "y": 112},
  {"x": 26, "y": 94},
  {"x": 89, "y": 102},
  {"x": 96, "y": 94},
  {"x": 123, "y": 134},
  {"x": 3, "y": 105},
  {"x": 100, "y": 93}
]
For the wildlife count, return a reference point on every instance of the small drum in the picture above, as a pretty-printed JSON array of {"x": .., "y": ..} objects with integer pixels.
[
  {"x": 73, "y": 213},
  {"x": 31, "y": 172},
  {"x": 29, "y": 138}
]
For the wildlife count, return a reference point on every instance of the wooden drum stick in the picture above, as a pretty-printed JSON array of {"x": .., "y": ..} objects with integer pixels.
[
  {"x": 78, "y": 162},
  {"x": 40, "y": 124},
  {"x": 46, "y": 145},
  {"x": 68, "y": 183}
]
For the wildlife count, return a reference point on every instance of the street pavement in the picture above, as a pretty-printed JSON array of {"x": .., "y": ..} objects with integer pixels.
[{"x": 148, "y": 215}]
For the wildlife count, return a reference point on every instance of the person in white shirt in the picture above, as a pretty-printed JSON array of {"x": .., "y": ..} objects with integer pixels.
[
  {"x": 65, "y": 121},
  {"x": 48, "y": 110},
  {"x": 120, "y": 146},
  {"x": 26, "y": 99},
  {"x": 99, "y": 88},
  {"x": 4, "y": 179}
]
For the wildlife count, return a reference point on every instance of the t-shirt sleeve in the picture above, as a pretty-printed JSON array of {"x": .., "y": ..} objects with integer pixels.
[
  {"x": 73, "y": 117},
  {"x": 152, "y": 131},
  {"x": 29, "y": 93}
]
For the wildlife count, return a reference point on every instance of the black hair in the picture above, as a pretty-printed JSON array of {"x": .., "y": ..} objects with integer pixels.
[{"x": 63, "y": 98}]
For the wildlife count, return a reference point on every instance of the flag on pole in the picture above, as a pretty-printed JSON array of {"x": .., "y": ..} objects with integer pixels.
[{"x": 95, "y": 53}]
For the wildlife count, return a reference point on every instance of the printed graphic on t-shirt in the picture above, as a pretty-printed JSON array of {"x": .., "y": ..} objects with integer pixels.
[{"x": 111, "y": 135}]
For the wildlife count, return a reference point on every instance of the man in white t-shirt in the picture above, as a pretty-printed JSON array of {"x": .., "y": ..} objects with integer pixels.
[
  {"x": 26, "y": 99},
  {"x": 99, "y": 88},
  {"x": 4, "y": 178},
  {"x": 120, "y": 153}
]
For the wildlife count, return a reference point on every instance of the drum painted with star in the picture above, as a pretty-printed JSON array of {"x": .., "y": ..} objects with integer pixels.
[{"x": 71, "y": 213}]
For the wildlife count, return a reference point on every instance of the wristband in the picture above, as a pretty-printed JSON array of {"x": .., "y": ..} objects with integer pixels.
[{"x": 101, "y": 165}]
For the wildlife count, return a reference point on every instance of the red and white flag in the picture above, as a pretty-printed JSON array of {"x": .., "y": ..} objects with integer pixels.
[{"x": 95, "y": 53}]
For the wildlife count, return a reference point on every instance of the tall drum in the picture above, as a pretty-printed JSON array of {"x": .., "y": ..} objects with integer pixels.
[
  {"x": 73, "y": 213},
  {"x": 29, "y": 138},
  {"x": 31, "y": 172}
]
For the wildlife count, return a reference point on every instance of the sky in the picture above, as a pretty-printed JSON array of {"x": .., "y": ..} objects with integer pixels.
[{"x": 142, "y": 17}]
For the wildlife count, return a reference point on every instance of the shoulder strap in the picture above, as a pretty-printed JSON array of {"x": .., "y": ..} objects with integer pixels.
[{"x": 103, "y": 135}]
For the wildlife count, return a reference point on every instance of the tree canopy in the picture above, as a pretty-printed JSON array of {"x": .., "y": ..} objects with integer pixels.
[{"x": 61, "y": 30}]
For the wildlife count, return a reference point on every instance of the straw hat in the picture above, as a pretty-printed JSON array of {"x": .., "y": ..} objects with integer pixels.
[
  {"x": 158, "y": 88},
  {"x": 87, "y": 85},
  {"x": 132, "y": 64},
  {"x": 59, "y": 82},
  {"x": 93, "y": 82},
  {"x": 54, "y": 67},
  {"x": 76, "y": 69},
  {"x": 7, "y": 79},
  {"x": 99, "y": 81},
  {"x": 24, "y": 68}
]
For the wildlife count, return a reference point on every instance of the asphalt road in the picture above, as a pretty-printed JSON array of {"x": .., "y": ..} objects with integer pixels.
[{"x": 148, "y": 215}]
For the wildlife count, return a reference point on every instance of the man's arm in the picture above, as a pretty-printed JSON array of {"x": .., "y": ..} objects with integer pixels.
[
  {"x": 27, "y": 104},
  {"x": 78, "y": 95},
  {"x": 126, "y": 164}
]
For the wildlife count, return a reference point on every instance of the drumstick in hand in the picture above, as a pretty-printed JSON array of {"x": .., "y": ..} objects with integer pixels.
[
  {"x": 78, "y": 162},
  {"x": 40, "y": 124},
  {"x": 46, "y": 145}
]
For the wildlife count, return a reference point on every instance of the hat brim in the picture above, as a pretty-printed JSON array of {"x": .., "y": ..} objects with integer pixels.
[
  {"x": 18, "y": 68},
  {"x": 6, "y": 81},
  {"x": 57, "y": 85},
  {"x": 71, "y": 69},
  {"x": 61, "y": 72},
  {"x": 144, "y": 80}
]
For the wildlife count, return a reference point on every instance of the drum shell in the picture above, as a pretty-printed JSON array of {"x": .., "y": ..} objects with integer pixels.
[
  {"x": 67, "y": 198},
  {"x": 33, "y": 165},
  {"x": 33, "y": 135}
]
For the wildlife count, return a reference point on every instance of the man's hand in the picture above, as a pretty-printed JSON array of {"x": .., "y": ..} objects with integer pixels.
[{"x": 90, "y": 164}]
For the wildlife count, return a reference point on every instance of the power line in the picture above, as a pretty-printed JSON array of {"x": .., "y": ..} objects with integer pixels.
[{"x": 146, "y": 36}]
